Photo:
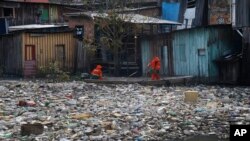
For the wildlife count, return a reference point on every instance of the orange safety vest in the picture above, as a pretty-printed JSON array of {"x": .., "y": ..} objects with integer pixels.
[
  {"x": 155, "y": 64},
  {"x": 97, "y": 72}
]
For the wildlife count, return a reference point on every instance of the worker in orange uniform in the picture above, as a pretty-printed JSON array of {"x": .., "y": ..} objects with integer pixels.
[
  {"x": 155, "y": 65},
  {"x": 97, "y": 73}
]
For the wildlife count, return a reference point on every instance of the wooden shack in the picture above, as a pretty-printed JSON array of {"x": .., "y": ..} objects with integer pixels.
[
  {"x": 30, "y": 47},
  {"x": 196, "y": 52},
  {"x": 23, "y": 12}
]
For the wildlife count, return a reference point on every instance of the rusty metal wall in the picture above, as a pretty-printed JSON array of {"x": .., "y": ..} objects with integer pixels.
[{"x": 219, "y": 12}]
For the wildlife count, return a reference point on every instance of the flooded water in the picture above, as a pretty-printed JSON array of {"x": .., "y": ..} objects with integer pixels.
[{"x": 204, "y": 138}]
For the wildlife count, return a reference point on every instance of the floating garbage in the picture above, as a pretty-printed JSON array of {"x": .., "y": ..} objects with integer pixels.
[{"x": 84, "y": 111}]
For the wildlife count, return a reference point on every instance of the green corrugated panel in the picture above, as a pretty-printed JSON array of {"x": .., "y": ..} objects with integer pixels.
[
  {"x": 217, "y": 41},
  {"x": 185, "y": 52}
]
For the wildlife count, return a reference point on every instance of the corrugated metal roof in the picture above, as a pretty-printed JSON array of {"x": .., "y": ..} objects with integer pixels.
[
  {"x": 131, "y": 18},
  {"x": 34, "y": 26}
]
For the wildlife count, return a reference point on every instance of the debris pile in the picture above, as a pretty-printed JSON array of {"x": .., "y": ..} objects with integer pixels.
[{"x": 82, "y": 111}]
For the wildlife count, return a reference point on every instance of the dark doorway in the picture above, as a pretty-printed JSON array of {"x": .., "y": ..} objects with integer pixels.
[{"x": 30, "y": 61}]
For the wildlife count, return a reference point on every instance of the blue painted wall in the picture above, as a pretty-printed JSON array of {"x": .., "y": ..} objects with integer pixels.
[
  {"x": 214, "y": 41},
  {"x": 170, "y": 11}
]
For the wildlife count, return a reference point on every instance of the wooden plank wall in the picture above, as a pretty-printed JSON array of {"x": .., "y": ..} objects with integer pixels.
[
  {"x": 27, "y": 13},
  {"x": 11, "y": 53},
  {"x": 45, "y": 45}
]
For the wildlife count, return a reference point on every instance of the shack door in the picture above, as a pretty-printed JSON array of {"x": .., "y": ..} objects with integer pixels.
[
  {"x": 30, "y": 61},
  {"x": 60, "y": 56}
]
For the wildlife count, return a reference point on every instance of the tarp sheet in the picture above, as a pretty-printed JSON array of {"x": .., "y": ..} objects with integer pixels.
[{"x": 170, "y": 11}]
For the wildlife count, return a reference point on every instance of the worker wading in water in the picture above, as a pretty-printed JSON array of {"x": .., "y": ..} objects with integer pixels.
[
  {"x": 97, "y": 73},
  {"x": 155, "y": 66}
]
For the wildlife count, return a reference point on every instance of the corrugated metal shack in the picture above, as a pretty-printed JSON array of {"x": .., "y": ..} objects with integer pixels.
[
  {"x": 29, "y": 47},
  {"x": 196, "y": 50}
]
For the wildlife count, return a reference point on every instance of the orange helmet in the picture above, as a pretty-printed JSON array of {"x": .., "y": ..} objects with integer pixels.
[
  {"x": 156, "y": 58},
  {"x": 98, "y": 66}
]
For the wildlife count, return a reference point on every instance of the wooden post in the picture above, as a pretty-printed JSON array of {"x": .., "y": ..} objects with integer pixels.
[
  {"x": 84, "y": 58},
  {"x": 75, "y": 57},
  {"x": 79, "y": 56}
]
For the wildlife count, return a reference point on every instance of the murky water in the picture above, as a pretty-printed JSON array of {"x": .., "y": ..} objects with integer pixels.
[{"x": 204, "y": 138}]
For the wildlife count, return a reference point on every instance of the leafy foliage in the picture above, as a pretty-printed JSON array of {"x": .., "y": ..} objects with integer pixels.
[{"x": 53, "y": 72}]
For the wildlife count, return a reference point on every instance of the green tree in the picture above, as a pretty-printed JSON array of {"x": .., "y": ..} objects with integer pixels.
[{"x": 114, "y": 26}]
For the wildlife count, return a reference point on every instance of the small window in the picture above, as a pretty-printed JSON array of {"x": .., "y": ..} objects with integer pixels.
[
  {"x": 30, "y": 53},
  {"x": 79, "y": 32},
  {"x": 202, "y": 52},
  {"x": 8, "y": 12}
]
